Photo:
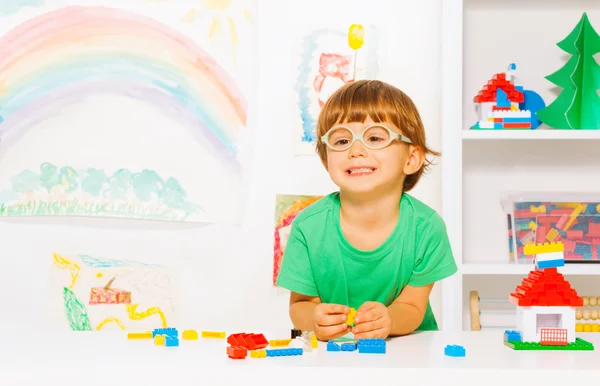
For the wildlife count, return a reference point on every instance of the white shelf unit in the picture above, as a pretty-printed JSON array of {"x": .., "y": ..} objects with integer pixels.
[{"x": 479, "y": 39}]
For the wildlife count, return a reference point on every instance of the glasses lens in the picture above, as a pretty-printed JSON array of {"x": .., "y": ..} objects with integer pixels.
[
  {"x": 340, "y": 138},
  {"x": 377, "y": 137}
]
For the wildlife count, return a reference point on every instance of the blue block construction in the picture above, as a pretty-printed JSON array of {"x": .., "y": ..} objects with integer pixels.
[
  {"x": 512, "y": 336},
  {"x": 285, "y": 352},
  {"x": 455, "y": 351},
  {"x": 371, "y": 346},
  {"x": 332, "y": 346},
  {"x": 171, "y": 341},
  {"x": 348, "y": 346},
  {"x": 169, "y": 331}
]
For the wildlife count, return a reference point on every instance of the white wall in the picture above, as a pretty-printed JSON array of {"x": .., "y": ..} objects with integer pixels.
[{"x": 227, "y": 281}]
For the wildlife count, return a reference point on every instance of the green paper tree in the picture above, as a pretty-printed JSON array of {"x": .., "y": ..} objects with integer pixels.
[{"x": 577, "y": 107}]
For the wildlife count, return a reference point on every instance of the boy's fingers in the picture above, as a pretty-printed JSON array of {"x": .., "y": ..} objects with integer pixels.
[
  {"x": 367, "y": 326},
  {"x": 331, "y": 319},
  {"x": 335, "y": 331},
  {"x": 336, "y": 309},
  {"x": 378, "y": 333},
  {"x": 366, "y": 306},
  {"x": 368, "y": 316}
]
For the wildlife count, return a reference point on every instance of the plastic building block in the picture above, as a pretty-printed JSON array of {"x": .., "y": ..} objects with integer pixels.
[
  {"x": 453, "y": 350},
  {"x": 333, "y": 346},
  {"x": 371, "y": 346},
  {"x": 256, "y": 341},
  {"x": 235, "y": 352},
  {"x": 171, "y": 341},
  {"x": 213, "y": 334},
  {"x": 314, "y": 343},
  {"x": 348, "y": 346},
  {"x": 140, "y": 335},
  {"x": 512, "y": 336},
  {"x": 159, "y": 340},
  {"x": 578, "y": 345},
  {"x": 280, "y": 342},
  {"x": 295, "y": 333},
  {"x": 169, "y": 331},
  {"x": 258, "y": 354},
  {"x": 535, "y": 249},
  {"x": 190, "y": 335},
  {"x": 284, "y": 352},
  {"x": 351, "y": 316}
]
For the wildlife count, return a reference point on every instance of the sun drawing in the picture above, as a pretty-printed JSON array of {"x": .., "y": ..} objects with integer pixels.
[{"x": 224, "y": 17}]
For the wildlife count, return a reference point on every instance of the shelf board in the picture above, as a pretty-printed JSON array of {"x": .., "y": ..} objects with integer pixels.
[
  {"x": 530, "y": 134},
  {"x": 523, "y": 269}
]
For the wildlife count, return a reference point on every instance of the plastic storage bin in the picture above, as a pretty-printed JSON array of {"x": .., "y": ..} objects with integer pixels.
[{"x": 572, "y": 218}]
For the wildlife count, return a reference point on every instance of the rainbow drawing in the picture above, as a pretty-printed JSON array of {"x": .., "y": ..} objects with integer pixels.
[{"x": 55, "y": 60}]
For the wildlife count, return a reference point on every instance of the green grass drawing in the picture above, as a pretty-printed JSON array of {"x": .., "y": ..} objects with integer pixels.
[
  {"x": 66, "y": 191},
  {"x": 76, "y": 312}
]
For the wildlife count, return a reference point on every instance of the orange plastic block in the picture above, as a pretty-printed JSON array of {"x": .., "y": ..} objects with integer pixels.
[{"x": 235, "y": 352}]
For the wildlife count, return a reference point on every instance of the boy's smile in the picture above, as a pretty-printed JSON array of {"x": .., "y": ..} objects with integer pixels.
[{"x": 359, "y": 171}]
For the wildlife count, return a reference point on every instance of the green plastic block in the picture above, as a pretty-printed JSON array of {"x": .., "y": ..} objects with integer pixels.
[{"x": 578, "y": 345}]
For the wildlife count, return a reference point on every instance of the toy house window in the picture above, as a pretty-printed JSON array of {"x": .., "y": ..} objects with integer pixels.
[{"x": 548, "y": 321}]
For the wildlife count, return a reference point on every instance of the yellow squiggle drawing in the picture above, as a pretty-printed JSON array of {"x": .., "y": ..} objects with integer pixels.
[
  {"x": 63, "y": 263},
  {"x": 110, "y": 319},
  {"x": 133, "y": 315}
]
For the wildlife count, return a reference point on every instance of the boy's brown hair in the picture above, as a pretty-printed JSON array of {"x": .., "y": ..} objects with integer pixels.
[{"x": 356, "y": 101}]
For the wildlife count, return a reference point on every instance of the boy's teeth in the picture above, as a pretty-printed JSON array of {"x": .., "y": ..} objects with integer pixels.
[{"x": 361, "y": 170}]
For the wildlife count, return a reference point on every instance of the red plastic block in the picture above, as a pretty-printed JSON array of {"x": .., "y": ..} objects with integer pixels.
[{"x": 235, "y": 352}]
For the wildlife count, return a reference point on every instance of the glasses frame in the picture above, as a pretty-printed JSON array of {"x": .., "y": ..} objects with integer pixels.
[{"x": 359, "y": 137}]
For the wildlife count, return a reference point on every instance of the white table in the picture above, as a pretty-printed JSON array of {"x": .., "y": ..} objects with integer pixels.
[{"x": 109, "y": 358}]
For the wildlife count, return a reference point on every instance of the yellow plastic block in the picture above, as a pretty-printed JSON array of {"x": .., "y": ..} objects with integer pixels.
[
  {"x": 351, "y": 316},
  {"x": 140, "y": 335},
  {"x": 213, "y": 334},
  {"x": 279, "y": 342},
  {"x": 159, "y": 340},
  {"x": 552, "y": 234},
  {"x": 535, "y": 249},
  {"x": 314, "y": 343},
  {"x": 190, "y": 335},
  {"x": 258, "y": 354}
]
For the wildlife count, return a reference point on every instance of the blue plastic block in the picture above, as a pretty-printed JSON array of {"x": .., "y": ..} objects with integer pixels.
[
  {"x": 171, "y": 341},
  {"x": 169, "y": 331},
  {"x": 285, "y": 352},
  {"x": 332, "y": 346},
  {"x": 512, "y": 336},
  {"x": 349, "y": 346},
  {"x": 455, "y": 351},
  {"x": 371, "y": 346}
]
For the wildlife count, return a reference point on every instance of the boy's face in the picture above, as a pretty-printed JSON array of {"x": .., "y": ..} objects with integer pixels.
[{"x": 363, "y": 170}]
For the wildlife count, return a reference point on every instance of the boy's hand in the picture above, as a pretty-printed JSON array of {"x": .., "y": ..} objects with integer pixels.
[
  {"x": 330, "y": 321},
  {"x": 373, "y": 320}
]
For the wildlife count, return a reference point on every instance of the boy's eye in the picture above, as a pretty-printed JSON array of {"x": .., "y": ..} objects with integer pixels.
[
  {"x": 375, "y": 139},
  {"x": 341, "y": 142}
]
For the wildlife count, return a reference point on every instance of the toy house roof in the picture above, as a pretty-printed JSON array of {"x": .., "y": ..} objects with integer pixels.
[
  {"x": 545, "y": 287},
  {"x": 499, "y": 81}
]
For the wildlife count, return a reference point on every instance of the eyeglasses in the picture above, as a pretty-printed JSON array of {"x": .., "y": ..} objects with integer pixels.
[{"x": 340, "y": 138}]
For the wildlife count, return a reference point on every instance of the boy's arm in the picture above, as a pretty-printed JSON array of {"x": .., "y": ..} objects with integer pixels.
[
  {"x": 408, "y": 310},
  {"x": 302, "y": 310}
]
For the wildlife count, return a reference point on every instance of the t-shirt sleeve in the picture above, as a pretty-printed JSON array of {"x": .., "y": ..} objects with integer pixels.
[
  {"x": 296, "y": 273},
  {"x": 434, "y": 260}
]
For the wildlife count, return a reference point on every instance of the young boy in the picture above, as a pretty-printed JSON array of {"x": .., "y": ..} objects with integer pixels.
[{"x": 370, "y": 246}]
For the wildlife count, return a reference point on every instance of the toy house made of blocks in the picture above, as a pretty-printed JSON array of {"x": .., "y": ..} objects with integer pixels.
[
  {"x": 546, "y": 302},
  {"x": 498, "y": 103}
]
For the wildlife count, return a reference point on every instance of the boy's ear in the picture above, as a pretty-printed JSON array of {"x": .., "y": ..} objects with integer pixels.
[{"x": 415, "y": 160}]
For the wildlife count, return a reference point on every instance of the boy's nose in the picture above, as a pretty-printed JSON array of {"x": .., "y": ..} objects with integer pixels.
[{"x": 358, "y": 149}]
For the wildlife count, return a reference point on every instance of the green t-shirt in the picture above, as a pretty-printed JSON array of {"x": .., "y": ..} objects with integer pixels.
[{"x": 319, "y": 261}]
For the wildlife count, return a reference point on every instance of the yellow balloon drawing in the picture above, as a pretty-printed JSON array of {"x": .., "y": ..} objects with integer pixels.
[{"x": 356, "y": 36}]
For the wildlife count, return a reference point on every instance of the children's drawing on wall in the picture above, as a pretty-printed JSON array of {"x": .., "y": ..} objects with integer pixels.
[
  {"x": 63, "y": 191},
  {"x": 93, "y": 293},
  {"x": 11, "y": 7},
  {"x": 287, "y": 207},
  {"x": 128, "y": 86},
  {"x": 328, "y": 59},
  {"x": 225, "y": 20}
]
